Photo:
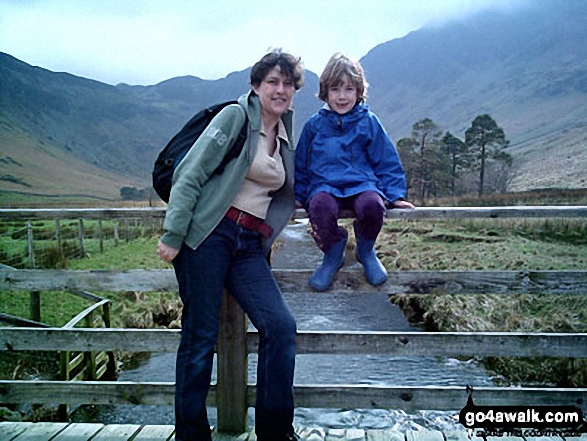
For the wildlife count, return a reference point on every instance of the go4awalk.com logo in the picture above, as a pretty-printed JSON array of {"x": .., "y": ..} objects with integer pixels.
[{"x": 514, "y": 418}]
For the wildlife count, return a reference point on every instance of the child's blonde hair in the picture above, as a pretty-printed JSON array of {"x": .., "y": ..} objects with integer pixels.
[{"x": 338, "y": 66}]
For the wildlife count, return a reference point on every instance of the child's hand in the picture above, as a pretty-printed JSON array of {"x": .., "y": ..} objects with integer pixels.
[
  {"x": 403, "y": 204},
  {"x": 299, "y": 204}
]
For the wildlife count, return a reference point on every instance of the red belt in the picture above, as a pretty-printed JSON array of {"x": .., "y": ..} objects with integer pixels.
[{"x": 249, "y": 221}]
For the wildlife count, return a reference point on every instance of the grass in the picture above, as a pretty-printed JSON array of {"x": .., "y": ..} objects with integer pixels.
[
  {"x": 500, "y": 244},
  {"x": 496, "y": 245}
]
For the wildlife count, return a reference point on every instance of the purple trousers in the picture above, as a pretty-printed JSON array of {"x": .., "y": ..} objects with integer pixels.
[{"x": 324, "y": 209}]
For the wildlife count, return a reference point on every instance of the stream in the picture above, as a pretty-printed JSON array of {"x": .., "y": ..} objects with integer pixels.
[{"x": 327, "y": 312}]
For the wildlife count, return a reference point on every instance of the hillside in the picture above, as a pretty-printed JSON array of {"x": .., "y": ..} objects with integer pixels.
[
  {"x": 33, "y": 168},
  {"x": 527, "y": 69},
  {"x": 112, "y": 131}
]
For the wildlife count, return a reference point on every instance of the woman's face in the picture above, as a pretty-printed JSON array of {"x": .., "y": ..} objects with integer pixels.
[{"x": 275, "y": 93}]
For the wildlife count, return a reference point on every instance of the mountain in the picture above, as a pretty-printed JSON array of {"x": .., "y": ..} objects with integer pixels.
[
  {"x": 62, "y": 134},
  {"x": 115, "y": 131},
  {"x": 528, "y": 70}
]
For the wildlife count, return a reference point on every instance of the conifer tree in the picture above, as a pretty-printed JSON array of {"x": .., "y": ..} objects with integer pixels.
[{"x": 486, "y": 140}]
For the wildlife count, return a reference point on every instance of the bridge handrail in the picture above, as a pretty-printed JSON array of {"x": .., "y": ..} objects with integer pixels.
[
  {"x": 513, "y": 211},
  {"x": 235, "y": 343}
]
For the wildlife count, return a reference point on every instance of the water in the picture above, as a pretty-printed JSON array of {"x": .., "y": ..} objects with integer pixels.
[{"x": 327, "y": 312}]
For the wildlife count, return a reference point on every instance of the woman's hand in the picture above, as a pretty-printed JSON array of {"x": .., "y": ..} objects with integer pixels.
[
  {"x": 166, "y": 252},
  {"x": 403, "y": 204}
]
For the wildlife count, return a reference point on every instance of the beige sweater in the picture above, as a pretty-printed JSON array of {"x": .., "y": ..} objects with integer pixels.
[{"x": 265, "y": 176}]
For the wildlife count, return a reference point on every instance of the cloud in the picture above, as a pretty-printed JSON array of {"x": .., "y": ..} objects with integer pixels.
[{"x": 145, "y": 42}]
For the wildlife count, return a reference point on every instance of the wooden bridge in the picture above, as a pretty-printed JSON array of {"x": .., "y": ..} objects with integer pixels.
[
  {"x": 233, "y": 396},
  {"x": 134, "y": 432}
]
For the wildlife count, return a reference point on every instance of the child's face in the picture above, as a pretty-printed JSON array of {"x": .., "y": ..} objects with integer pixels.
[{"x": 342, "y": 97}]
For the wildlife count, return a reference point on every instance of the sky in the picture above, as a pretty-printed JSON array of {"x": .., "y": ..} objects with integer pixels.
[{"x": 144, "y": 42}]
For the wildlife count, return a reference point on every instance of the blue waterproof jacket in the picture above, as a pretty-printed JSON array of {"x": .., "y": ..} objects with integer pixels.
[{"x": 345, "y": 155}]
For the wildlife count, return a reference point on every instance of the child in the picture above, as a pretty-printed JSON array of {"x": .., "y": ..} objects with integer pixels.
[{"x": 345, "y": 160}]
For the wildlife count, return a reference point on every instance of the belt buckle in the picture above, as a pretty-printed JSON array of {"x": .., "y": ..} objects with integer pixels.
[{"x": 239, "y": 217}]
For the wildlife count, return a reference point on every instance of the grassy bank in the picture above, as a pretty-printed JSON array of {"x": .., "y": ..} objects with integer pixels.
[{"x": 496, "y": 245}]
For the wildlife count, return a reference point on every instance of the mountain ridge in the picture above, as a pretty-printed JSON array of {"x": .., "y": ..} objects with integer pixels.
[{"x": 528, "y": 70}]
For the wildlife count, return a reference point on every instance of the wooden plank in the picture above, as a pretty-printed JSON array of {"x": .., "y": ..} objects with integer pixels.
[
  {"x": 154, "y": 433},
  {"x": 17, "y": 321},
  {"x": 99, "y": 280},
  {"x": 85, "y": 313},
  {"x": 311, "y": 433},
  {"x": 91, "y": 392},
  {"x": 117, "y": 432},
  {"x": 385, "y": 435},
  {"x": 335, "y": 435},
  {"x": 216, "y": 436},
  {"x": 90, "y": 339},
  {"x": 424, "y": 435},
  {"x": 426, "y": 282},
  {"x": 291, "y": 281},
  {"x": 9, "y": 430},
  {"x": 461, "y": 435},
  {"x": 450, "y": 344},
  {"x": 78, "y": 432},
  {"x": 76, "y": 213},
  {"x": 428, "y": 397},
  {"x": 507, "y": 212},
  {"x": 527, "y": 211},
  {"x": 355, "y": 434},
  {"x": 327, "y": 396},
  {"x": 39, "y": 431}
]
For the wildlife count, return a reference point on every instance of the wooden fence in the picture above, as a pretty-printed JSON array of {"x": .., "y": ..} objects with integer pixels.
[
  {"x": 74, "y": 365},
  {"x": 232, "y": 395},
  {"x": 45, "y": 243}
]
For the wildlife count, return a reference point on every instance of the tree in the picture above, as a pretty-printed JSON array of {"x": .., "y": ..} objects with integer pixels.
[
  {"x": 487, "y": 141},
  {"x": 134, "y": 194},
  {"x": 407, "y": 152},
  {"x": 426, "y": 139},
  {"x": 457, "y": 152}
]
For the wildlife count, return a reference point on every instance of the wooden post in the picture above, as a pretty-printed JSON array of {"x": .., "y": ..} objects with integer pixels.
[
  {"x": 101, "y": 235},
  {"x": 64, "y": 358},
  {"x": 106, "y": 314},
  {"x": 82, "y": 251},
  {"x": 35, "y": 306},
  {"x": 111, "y": 364},
  {"x": 90, "y": 356},
  {"x": 231, "y": 393},
  {"x": 31, "y": 249},
  {"x": 58, "y": 237},
  {"x": 115, "y": 233}
]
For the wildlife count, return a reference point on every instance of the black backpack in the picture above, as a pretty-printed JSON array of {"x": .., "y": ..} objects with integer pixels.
[{"x": 183, "y": 141}]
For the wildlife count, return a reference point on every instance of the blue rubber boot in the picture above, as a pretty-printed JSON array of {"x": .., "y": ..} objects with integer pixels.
[
  {"x": 331, "y": 263},
  {"x": 375, "y": 272}
]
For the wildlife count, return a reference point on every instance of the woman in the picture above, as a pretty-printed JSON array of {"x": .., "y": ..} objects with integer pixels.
[{"x": 219, "y": 229}]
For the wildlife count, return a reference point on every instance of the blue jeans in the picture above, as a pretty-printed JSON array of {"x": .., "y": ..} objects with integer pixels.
[{"x": 231, "y": 256}]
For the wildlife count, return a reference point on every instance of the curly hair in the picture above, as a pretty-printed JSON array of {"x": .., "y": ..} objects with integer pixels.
[{"x": 291, "y": 68}]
